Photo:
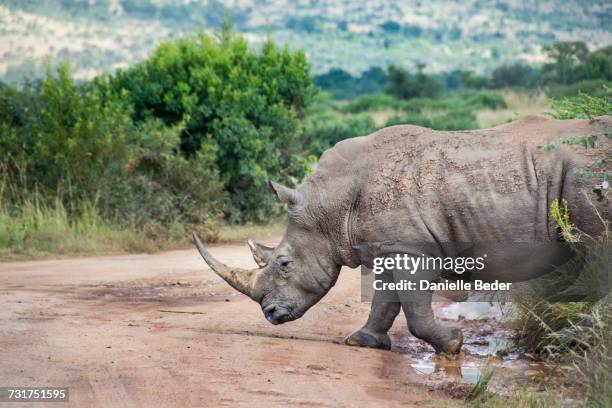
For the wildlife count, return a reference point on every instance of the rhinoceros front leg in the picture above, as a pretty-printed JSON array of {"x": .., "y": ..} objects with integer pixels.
[
  {"x": 374, "y": 333},
  {"x": 422, "y": 324}
]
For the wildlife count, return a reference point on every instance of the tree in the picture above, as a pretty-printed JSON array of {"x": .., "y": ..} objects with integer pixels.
[
  {"x": 403, "y": 85},
  {"x": 598, "y": 64},
  {"x": 76, "y": 145},
  {"x": 564, "y": 58},
  {"x": 391, "y": 27},
  {"x": 244, "y": 103},
  {"x": 517, "y": 74},
  {"x": 471, "y": 80},
  {"x": 374, "y": 80},
  {"x": 307, "y": 24},
  {"x": 338, "y": 82}
]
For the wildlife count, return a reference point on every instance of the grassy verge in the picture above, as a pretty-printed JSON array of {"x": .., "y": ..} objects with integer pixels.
[
  {"x": 520, "y": 399},
  {"x": 576, "y": 333},
  {"x": 38, "y": 231},
  {"x": 462, "y": 110},
  {"x": 240, "y": 233},
  {"x": 519, "y": 104},
  {"x": 41, "y": 231}
]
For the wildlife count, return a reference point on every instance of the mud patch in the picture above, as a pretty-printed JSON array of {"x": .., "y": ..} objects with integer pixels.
[{"x": 487, "y": 346}]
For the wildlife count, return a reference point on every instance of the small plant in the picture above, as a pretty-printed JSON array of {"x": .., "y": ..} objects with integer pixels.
[
  {"x": 560, "y": 214},
  {"x": 480, "y": 388},
  {"x": 589, "y": 141},
  {"x": 583, "y": 106}
]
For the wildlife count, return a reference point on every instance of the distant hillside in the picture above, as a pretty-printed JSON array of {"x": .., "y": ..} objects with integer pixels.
[{"x": 103, "y": 35}]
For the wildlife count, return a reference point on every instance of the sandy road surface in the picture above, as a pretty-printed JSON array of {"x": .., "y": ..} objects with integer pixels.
[{"x": 108, "y": 328}]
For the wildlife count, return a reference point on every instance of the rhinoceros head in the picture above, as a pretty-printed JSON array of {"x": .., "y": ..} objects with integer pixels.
[{"x": 291, "y": 277}]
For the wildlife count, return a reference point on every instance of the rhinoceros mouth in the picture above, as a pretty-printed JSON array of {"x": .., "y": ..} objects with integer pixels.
[{"x": 278, "y": 314}]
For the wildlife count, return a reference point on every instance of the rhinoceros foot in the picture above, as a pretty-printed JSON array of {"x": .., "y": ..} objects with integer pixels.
[
  {"x": 366, "y": 338},
  {"x": 453, "y": 346}
]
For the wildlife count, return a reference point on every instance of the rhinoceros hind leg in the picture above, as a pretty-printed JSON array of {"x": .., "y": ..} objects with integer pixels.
[
  {"x": 422, "y": 324},
  {"x": 374, "y": 333}
]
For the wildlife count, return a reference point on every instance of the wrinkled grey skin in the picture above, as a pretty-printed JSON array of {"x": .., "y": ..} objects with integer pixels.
[{"x": 411, "y": 184}]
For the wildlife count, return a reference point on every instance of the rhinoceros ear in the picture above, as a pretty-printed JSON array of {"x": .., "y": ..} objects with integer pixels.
[
  {"x": 286, "y": 195},
  {"x": 261, "y": 253}
]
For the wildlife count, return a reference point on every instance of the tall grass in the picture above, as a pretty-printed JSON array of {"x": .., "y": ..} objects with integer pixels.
[
  {"x": 481, "y": 385},
  {"x": 589, "y": 347},
  {"x": 33, "y": 226},
  {"x": 520, "y": 104},
  {"x": 578, "y": 333},
  {"x": 34, "y": 229},
  {"x": 241, "y": 233},
  {"x": 519, "y": 399}
]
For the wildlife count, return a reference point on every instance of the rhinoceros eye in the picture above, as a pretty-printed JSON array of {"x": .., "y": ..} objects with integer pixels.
[{"x": 284, "y": 261}]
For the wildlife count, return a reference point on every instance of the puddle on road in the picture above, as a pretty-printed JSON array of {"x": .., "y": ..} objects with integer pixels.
[
  {"x": 487, "y": 345},
  {"x": 475, "y": 311},
  {"x": 467, "y": 370}
]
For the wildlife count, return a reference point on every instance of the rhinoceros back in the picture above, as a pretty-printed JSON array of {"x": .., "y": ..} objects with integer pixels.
[{"x": 413, "y": 184}]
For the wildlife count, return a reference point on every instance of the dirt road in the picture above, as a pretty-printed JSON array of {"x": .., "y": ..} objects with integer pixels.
[{"x": 163, "y": 330}]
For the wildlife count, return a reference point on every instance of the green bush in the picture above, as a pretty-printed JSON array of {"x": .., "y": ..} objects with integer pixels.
[
  {"x": 583, "y": 106},
  {"x": 571, "y": 62},
  {"x": 159, "y": 187},
  {"x": 404, "y": 85},
  {"x": 454, "y": 112},
  {"x": 455, "y": 120},
  {"x": 593, "y": 87},
  {"x": 77, "y": 145},
  {"x": 410, "y": 118},
  {"x": 342, "y": 85},
  {"x": 248, "y": 103},
  {"x": 460, "y": 101},
  {"x": 487, "y": 101},
  {"x": 369, "y": 103},
  {"x": 513, "y": 75},
  {"x": 324, "y": 130},
  {"x": 67, "y": 139}
]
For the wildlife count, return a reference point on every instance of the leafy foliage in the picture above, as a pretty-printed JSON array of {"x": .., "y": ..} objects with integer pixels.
[
  {"x": 583, "y": 106},
  {"x": 325, "y": 125},
  {"x": 513, "y": 75},
  {"x": 571, "y": 68},
  {"x": 245, "y": 104},
  {"x": 572, "y": 62},
  {"x": 78, "y": 145},
  {"x": 456, "y": 111},
  {"x": 69, "y": 138},
  {"x": 404, "y": 85},
  {"x": 368, "y": 103},
  {"x": 343, "y": 85}
]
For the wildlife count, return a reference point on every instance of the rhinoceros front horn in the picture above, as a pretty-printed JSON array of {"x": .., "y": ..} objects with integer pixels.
[{"x": 242, "y": 280}]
